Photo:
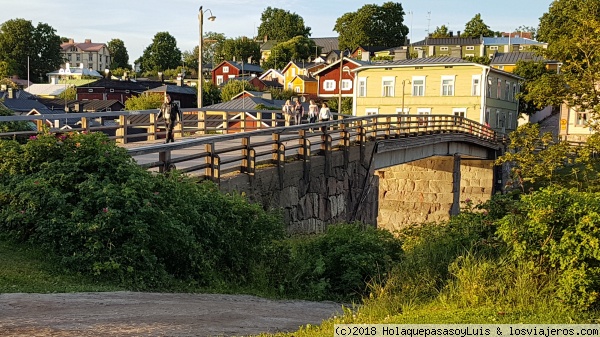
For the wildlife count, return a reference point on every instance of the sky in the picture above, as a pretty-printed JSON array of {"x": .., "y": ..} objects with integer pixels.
[{"x": 137, "y": 21}]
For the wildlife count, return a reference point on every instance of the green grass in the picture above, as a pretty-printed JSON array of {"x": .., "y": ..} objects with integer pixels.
[{"x": 26, "y": 269}]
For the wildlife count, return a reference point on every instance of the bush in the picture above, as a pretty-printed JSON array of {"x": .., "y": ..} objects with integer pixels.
[
  {"x": 85, "y": 199},
  {"x": 337, "y": 264},
  {"x": 559, "y": 229}
]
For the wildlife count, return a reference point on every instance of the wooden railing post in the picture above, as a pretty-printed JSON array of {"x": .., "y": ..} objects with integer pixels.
[
  {"x": 345, "y": 140},
  {"x": 122, "y": 130},
  {"x": 326, "y": 152},
  {"x": 201, "y": 122},
  {"x": 85, "y": 124},
  {"x": 152, "y": 127},
  {"x": 279, "y": 157},
  {"x": 214, "y": 164},
  {"x": 180, "y": 127},
  {"x": 304, "y": 153},
  {"x": 165, "y": 158}
]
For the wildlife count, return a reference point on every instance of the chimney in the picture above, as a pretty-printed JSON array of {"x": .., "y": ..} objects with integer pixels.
[
  {"x": 160, "y": 77},
  {"x": 11, "y": 93},
  {"x": 179, "y": 80},
  {"x": 71, "y": 41},
  {"x": 451, "y": 34},
  {"x": 458, "y": 33},
  {"x": 77, "y": 107},
  {"x": 265, "y": 39},
  {"x": 88, "y": 40}
]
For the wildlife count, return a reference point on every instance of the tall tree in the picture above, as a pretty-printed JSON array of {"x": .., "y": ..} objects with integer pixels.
[
  {"x": 161, "y": 55},
  {"x": 297, "y": 49},
  {"x": 279, "y": 24},
  {"x": 119, "y": 55},
  {"x": 20, "y": 40},
  {"x": 533, "y": 97},
  {"x": 240, "y": 49},
  {"x": 579, "y": 50},
  {"x": 527, "y": 29},
  {"x": 441, "y": 32},
  {"x": 476, "y": 28},
  {"x": 372, "y": 25},
  {"x": 234, "y": 87}
]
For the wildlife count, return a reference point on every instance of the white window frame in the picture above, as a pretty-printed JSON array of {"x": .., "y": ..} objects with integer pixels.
[
  {"x": 450, "y": 86},
  {"x": 230, "y": 76},
  {"x": 506, "y": 90},
  {"x": 225, "y": 69},
  {"x": 469, "y": 55},
  {"x": 444, "y": 48},
  {"x": 499, "y": 88},
  {"x": 470, "y": 48},
  {"x": 486, "y": 116},
  {"x": 362, "y": 87},
  {"x": 329, "y": 85},
  {"x": 417, "y": 86},
  {"x": 501, "y": 67},
  {"x": 514, "y": 92},
  {"x": 493, "y": 47},
  {"x": 346, "y": 84},
  {"x": 509, "y": 122},
  {"x": 499, "y": 120},
  {"x": 461, "y": 112},
  {"x": 405, "y": 112},
  {"x": 219, "y": 79},
  {"x": 371, "y": 111},
  {"x": 111, "y": 90},
  {"x": 476, "y": 85},
  {"x": 392, "y": 87},
  {"x": 581, "y": 118},
  {"x": 297, "y": 89}
]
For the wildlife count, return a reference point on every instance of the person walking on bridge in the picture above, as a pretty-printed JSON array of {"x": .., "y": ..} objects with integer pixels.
[{"x": 171, "y": 114}]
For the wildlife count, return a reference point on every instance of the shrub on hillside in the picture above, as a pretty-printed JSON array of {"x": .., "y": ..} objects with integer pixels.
[
  {"x": 85, "y": 199},
  {"x": 337, "y": 264},
  {"x": 559, "y": 229}
]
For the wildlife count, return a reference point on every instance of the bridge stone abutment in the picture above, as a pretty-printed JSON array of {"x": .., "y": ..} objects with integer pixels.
[
  {"x": 430, "y": 190},
  {"x": 323, "y": 190}
]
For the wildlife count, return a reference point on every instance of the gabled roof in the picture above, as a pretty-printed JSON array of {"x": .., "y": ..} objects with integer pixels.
[
  {"x": 491, "y": 41},
  {"x": 172, "y": 89},
  {"x": 86, "y": 105},
  {"x": 514, "y": 57},
  {"x": 449, "y": 41},
  {"x": 85, "y": 46},
  {"x": 268, "y": 45},
  {"x": 301, "y": 65},
  {"x": 272, "y": 84},
  {"x": 370, "y": 49},
  {"x": 275, "y": 72},
  {"x": 246, "y": 66},
  {"x": 23, "y": 105},
  {"x": 18, "y": 94},
  {"x": 305, "y": 78},
  {"x": 46, "y": 89},
  {"x": 327, "y": 44},
  {"x": 138, "y": 86},
  {"x": 346, "y": 60},
  {"x": 247, "y": 103}
]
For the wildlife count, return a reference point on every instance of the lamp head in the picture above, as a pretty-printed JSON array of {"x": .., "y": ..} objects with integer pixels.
[{"x": 212, "y": 18}]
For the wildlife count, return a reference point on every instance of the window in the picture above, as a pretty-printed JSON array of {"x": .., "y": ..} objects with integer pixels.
[
  {"x": 499, "y": 89},
  {"x": 460, "y": 112},
  {"x": 290, "y": 85},
  {"x": 225, "y": 69},
  {"x": 78, "y": 57},
  {"x": 493, "y": 47},
  {"x": 126, "y": 91},
  {"x": 346, "y": 84},
  {"x": 297, "y": 89},
  {"x": 91, "y": 57},
  {"x": 401, "y": 112},
  {"x": 469, "y": 55},
  {"x": 329, "y": 85},
  {"x": 362, "y": 86},
  {"x": 230, "y": 76},
  {"x": 520, "y": 47},
  {"x": 219, "y": 79},
  {"x": 501, "y": 67},
  {"x": 423, "y": 116},
  {"x": 499, "y": 119},
  {"x": 90, "y": 90},
  {"x": 443, "y": 48},
  {"x": 371, "y": 111},
  {"x": 470, "y": 47},
  {"x": 581, "y": 119},
  {"x": 509, "y": 124},
  {"x": 506, "y": 90},
  {"x": 69, "y": 57},
  {"x": 489, "y": 88},
  {"x": 112, "y": 90},
  {"x": 418, "y": 86},
  {"x": 486, "y": 118},
  {"x": 476, "y": 85},
  {"x": 293, "y": 72},
  {"x": 447, "y": 85},
  {"x": 388, "y": 86},
  {"x": 514, "y": 92}
]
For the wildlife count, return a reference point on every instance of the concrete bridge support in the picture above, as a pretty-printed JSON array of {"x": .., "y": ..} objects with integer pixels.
[{"x": 431, "y": 189}]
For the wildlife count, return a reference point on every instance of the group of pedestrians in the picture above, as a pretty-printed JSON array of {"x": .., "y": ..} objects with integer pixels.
[{"x": 315, "y": 113}]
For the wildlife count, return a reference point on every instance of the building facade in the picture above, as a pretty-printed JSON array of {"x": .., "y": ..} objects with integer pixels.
[{"x": 87, "y": 54}]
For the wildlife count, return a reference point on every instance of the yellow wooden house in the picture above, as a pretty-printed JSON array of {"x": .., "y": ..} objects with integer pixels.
[
  {"x": 305, "y": 86},
  {"x": 293, "y": 69},
  {"x": 508, "y": 61},
  {"x": 438, "y": 86}
]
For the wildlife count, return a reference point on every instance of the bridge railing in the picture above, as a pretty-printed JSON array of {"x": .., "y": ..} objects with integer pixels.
[{"x": 213, "y": 156}]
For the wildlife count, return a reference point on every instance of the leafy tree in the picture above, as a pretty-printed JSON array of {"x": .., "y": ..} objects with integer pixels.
[
  {"x": 478, "y": 59},
  {"x": 279, "y": 24},
  {"x": 144, "y": 102},
  {"x": 441, "y": 32},
  {"x": 579, "y": 50},
  {"x": 20, "y": 40},
  {"x": 529, "y": 102},
  {"x": 161, "y": 55},
  {"x": 212, "y": 44},
  {"x": 297, "y": 49},
  {"x": 346, "y": 105},
  {"x": 119, "y": 72},
  {"x": 7, "y": 68},
  {"x": 282, "y": 94},
  {"x": 69, "y": 94},
  {"x": 476, "y": 28},
  {"x": 12, "y": 126},
  {"x": 210, "y": 94},
  {"x": 372, "y": 25},
  {"x": 7, "y": 82},
  {"x": 241, "y": 49},
  {"x": 119, "y": 55},
  {"x": 234, "y": 87}
]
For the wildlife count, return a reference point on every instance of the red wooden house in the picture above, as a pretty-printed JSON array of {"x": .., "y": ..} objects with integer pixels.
[
  {"x": 229, "y": 69},
  {"x": 329, "y": 78}
]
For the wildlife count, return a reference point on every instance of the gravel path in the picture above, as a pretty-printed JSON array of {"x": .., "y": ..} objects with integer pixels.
[{"x": 154, "y": 314}]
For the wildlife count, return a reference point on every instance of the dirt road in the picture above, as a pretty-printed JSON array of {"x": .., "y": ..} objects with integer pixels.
[{"x": 154, "y": 314}]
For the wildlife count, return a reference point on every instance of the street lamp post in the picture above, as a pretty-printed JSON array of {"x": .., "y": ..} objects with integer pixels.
[
  {"x": 404, "y": 82},
  {"x": 201, "y": 115}
]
